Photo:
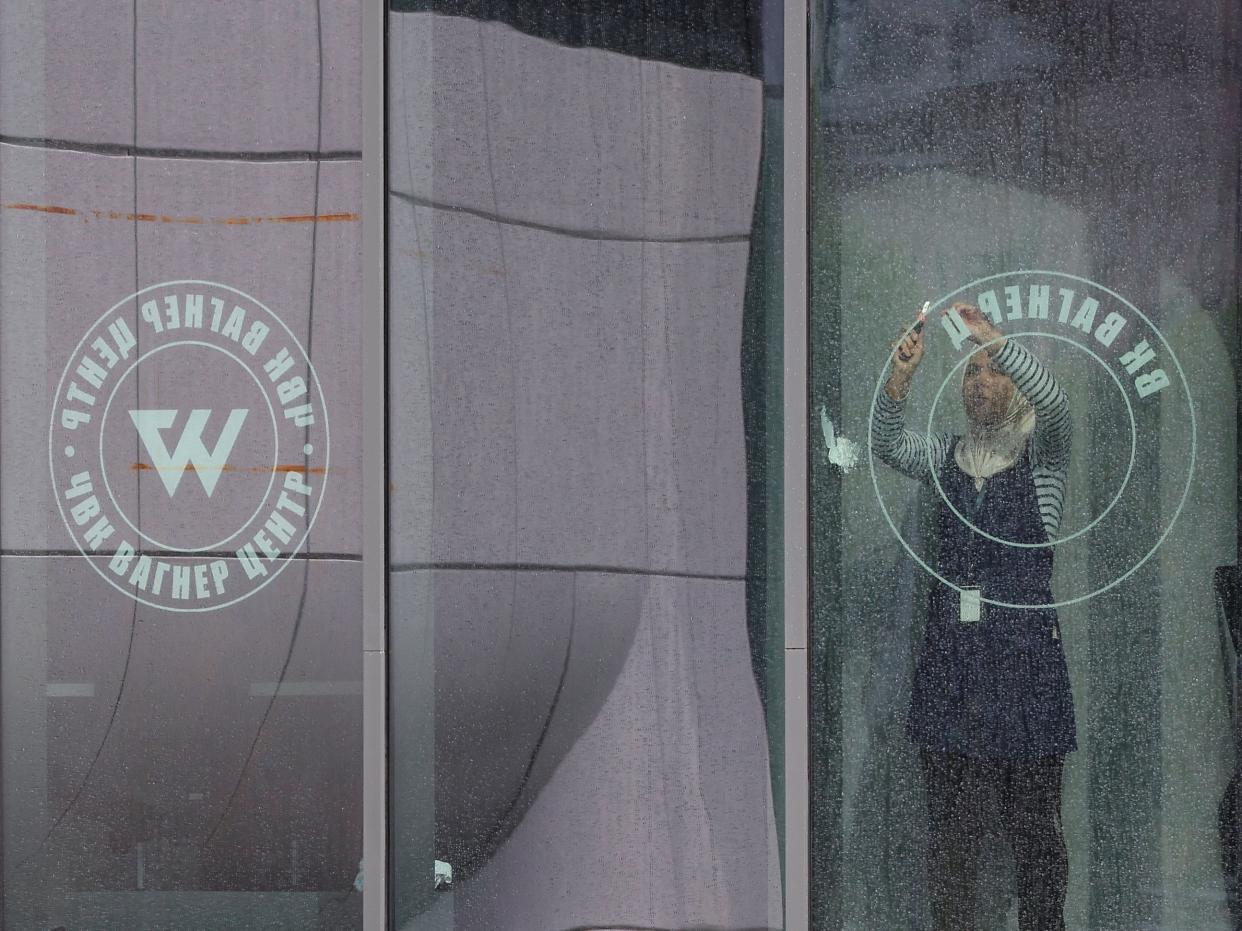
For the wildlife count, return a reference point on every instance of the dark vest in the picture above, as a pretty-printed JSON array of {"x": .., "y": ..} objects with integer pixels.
[{"x": 996, "y": 688}]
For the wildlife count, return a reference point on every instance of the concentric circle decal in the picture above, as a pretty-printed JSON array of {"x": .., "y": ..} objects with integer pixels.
[
  {"x": 1083, "y": 318},
  {"x": 189, "y": 445},
  {"x": 1125, "y": 480}
]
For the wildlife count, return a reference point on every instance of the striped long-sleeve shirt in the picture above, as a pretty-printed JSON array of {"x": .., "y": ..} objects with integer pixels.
[{"x": 1049, "y": 443}]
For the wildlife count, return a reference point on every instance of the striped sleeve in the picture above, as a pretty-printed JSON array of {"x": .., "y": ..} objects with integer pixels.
[
  {"x": 908, "y": 452},
  {"x": 1050, "y": 441},
  {"x": 1051, "y": 438}
]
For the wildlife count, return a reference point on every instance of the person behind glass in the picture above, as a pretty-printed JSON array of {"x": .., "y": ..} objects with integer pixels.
[{"x": 990, "y": 710}]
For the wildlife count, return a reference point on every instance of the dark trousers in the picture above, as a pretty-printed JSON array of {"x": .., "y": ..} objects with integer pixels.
[
  {"x": 1229, "y": 821},
  {"x": 966, "y": 798}
]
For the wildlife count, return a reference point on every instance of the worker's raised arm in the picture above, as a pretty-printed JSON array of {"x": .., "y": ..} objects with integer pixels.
[{"x": 910, "y": 453}]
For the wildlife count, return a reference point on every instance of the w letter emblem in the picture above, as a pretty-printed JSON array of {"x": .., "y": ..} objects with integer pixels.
[{"x": 190, "y": 449}]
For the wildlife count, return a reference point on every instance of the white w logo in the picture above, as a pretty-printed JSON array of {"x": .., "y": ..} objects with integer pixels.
[{"x": 190, "y": 448}]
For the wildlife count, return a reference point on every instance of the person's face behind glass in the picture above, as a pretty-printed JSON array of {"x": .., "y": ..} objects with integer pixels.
[{"x": 986, "y": 390}]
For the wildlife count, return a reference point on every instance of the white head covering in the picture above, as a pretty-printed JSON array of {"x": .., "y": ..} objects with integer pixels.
[{"x": 988, "y": 449}]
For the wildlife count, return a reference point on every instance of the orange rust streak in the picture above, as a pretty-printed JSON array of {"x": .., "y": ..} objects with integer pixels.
[
  {"x": 40, "y": 208},
  {"x": 164, "y": 218},
  {"x": 310, "y": 218}
]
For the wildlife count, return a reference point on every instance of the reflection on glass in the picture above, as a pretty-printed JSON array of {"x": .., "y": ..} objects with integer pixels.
[
  {"x": 161, "y": 769},
  {"x": 1038, "y": 164},
  {"x": 585, "y": 457}
]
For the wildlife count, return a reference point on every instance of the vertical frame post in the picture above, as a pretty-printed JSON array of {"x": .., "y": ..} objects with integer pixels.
[
  {"x": 797, "y": 736},
  {"x": 374, "y": 474}
]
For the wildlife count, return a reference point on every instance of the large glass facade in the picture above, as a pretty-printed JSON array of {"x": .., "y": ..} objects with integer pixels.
[{"x": 586, "y": 676}]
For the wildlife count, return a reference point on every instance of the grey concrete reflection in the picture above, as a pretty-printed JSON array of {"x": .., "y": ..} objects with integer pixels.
[
  {"x": 218, "y": 77},
  {"x": 569, "y": 238},
  {"x": 68, "y": 262},
  {"x": 73, "y": 83},
  {"x": 624, "y": 147},
  {"x": 45, "y": 308},
  {"x": 181, "y": 788},
  {"x": 655, "y": 811},
  {"x": 295, "y": 64},
  {"x": 210, "y": 763},
  {"x": 259, "y": 241},
  {"x": 579, "y": 366}
]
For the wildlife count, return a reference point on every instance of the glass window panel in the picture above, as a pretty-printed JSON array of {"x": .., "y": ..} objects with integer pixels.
[
  {"x": 584, "y": 333},
  {"x": 179, "y": 725},
  {"x": 1074, "y": 604}
]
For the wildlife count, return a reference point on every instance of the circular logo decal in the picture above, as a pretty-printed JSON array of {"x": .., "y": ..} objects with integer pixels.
[
  {"x": 189, "y": 445},
  {"x": 1091, "y": 340}
]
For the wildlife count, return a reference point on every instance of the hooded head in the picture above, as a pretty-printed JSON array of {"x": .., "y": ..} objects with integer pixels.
[
  {"x": 999, "y": 416},
  {"x": 987, "y": 392}
]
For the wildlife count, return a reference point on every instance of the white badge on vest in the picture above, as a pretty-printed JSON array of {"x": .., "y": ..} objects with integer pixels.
[{"x": 971, "y": 605}]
